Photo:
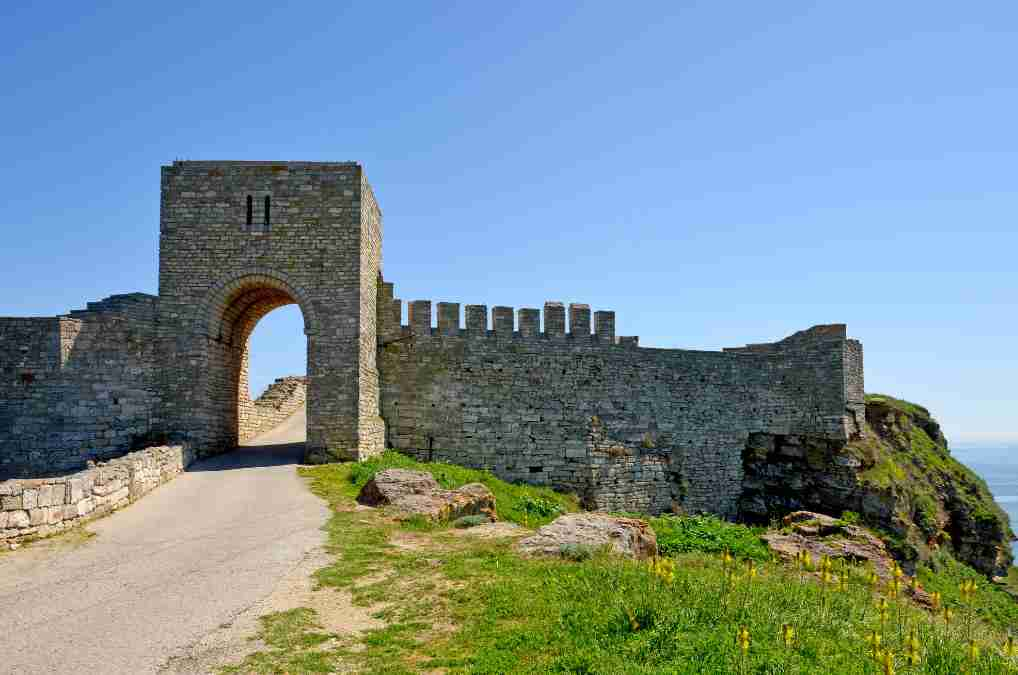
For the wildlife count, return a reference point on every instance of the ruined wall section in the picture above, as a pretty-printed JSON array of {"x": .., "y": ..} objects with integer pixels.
[
  {"x": 625, "y": 427},
  {"x": 76, "y": 388},
  {"x": 282, "y": 399}
]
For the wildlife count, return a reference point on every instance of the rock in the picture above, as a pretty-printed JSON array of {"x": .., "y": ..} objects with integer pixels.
[
  {"x": 822, "y": 535},
  {"x": 392, "y": 485},
  {"x": 406, "y": 494},
  {"x": 628, "y": 537},
  {"x": 18, "y": 520}
]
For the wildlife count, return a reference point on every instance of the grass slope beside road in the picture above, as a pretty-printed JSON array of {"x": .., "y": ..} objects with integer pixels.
[{"x": 455, "y": 603}]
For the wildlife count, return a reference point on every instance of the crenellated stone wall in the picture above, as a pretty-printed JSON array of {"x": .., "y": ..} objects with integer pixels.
[{"x": 627, "y": 428}]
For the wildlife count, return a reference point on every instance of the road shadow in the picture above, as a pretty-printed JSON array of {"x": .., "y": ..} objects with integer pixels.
[{"x": 251, "y": 457}]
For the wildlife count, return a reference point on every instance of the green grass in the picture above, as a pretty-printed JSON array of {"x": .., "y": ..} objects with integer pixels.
[
  {"x": 708, "y": 534},
  {"x": 522, "y": 504},
  {"x": 456, "y": 604},
  {"x": 295, "y": 646},
  {"x": 991, "y": 602},
  {"x": 911, "y": 409}
]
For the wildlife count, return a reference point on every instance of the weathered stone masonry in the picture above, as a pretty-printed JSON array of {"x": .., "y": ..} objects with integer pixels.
[
  {"x": 283, "y": 398},
  {"x": 627, "y": 428},
  {"x": 78, "y": 387},
  {"x": 535, "y": 396}
]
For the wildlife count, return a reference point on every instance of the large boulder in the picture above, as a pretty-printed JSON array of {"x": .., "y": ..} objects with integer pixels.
[
  {"x": 407, "y": 494},
  {"x": 628, "y": 537}
]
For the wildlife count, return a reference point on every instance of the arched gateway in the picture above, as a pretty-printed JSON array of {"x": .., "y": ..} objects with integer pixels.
[{"x": 314, "y": 240}]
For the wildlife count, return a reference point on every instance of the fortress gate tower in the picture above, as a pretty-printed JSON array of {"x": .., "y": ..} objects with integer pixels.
[{"x": 239, "y": 239}]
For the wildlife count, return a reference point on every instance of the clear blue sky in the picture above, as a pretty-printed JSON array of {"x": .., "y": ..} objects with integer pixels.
[{"x": 716, "y": 173}]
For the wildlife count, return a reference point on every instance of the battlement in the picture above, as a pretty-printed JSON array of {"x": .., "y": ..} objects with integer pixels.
[{"x": 506, "y": 322}]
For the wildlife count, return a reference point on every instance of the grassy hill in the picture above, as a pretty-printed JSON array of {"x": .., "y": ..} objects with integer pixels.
[{"x": 456, "y": 603}]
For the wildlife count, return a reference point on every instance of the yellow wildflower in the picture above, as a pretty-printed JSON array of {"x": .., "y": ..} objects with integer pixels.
[
  {"x": 742, "y": 639},
  {"x": 788, "y": 634},
  {"x": 888, "y": 663},
  {"x": 874, "y": 639},
  {"x": 750, "y": 570},
  {"x": 882, "y": 608}
]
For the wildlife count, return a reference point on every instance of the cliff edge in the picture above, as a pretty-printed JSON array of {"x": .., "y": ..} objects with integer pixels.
[{"x": 896, "y": 475}]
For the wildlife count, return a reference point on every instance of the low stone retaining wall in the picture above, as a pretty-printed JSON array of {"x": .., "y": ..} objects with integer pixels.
[{"x": 40, "y": 507}]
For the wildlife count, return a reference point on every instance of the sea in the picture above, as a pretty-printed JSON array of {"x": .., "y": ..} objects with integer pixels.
[{"x": 998, "y": 465}]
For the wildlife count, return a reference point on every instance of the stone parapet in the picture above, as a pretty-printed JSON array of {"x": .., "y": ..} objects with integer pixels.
[{"x": 33, "y": 508}]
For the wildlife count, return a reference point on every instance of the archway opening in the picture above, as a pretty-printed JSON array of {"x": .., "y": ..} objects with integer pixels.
[
  {"x": 237, "y": 417},
  {"x": 272, "y": 388}
]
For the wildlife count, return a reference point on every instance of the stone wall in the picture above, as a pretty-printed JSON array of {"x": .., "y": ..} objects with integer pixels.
[
  {"x": 78, "y": 387},
  {"x": 282, "y": 399},
  {"x": 41, "y": 507},
  {"x": 623, "y": 426}
]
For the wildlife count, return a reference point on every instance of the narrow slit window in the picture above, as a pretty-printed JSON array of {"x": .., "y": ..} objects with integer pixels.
[
  {"x": 268, "y": 204},
  {"x": 250, "y": 210}
]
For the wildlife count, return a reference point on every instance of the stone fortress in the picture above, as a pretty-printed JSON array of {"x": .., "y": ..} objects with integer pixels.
[{"x": 531, "y": 395}]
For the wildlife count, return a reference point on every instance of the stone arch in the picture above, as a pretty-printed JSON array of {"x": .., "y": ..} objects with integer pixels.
[
  {"x": 211, "y": 314},
  {"x": 226, "y": 318}
]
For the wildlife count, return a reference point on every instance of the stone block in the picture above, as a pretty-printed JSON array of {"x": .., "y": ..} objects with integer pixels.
[
  {"x": 30, "y": 498},
  {"x": 18, "y": 520},
  {"x": 75, "y": 491},
  {"x": 11, "y": 503}
]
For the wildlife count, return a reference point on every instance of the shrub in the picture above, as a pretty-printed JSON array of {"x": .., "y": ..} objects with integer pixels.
[
  {"x": 850, "y": 517},
  {"x": 707, "y": 534},
  {"x": 538, "y": 506}
]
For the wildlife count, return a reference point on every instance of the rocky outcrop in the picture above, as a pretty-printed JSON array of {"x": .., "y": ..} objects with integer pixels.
[
  {"x": 628, "y": 537},
  {"x": 821, "y": 535},
  {"x": 408, "y": 494},
  {"x": 896, "y": 474}
]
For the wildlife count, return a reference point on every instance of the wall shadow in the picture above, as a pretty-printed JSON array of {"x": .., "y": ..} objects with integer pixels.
[{"x": 251, "y": 457}]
